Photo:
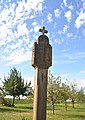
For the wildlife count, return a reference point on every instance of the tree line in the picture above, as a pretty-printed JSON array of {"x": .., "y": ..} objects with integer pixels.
[{"x": 58, "y": 91}]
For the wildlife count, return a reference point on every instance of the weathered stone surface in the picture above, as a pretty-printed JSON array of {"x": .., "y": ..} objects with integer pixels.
[
  {"x": 41, "y": 61},
  {"x": 40, "y": 94},
  {"x": 42, "y": 53}
]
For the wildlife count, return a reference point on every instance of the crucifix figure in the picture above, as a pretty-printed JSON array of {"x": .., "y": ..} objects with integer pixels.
[{"x": 43, "y": 30}]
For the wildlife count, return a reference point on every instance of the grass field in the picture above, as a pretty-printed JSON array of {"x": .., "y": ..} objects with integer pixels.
[{"x": 23, "y": 110}]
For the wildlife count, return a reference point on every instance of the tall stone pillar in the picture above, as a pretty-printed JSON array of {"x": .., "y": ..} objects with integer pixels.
[{"x": 41, "y": 61}]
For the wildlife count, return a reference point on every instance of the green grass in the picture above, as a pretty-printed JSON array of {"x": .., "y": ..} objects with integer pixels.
[
  {"x": 23, "y": 110},
  {"x": 78, "y": 113}
]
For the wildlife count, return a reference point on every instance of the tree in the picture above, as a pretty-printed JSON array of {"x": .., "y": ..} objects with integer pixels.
[
  {"x": 73, "y": 94},
  {"x": 52, "y": 89},
  {"x": 65, "y": 92},
  {"x": 2, "y": 94},
  {"x": 14, "y": 84},
  {"x": 80, "y": 96}
]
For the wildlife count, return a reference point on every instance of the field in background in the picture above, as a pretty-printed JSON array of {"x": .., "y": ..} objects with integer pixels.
[{"x": 23, "y": 110}]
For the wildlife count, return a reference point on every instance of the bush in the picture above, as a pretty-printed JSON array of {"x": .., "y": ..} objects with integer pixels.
[{"x": 6, "y": 102}]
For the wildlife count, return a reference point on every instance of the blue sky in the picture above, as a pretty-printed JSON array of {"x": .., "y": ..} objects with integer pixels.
[{"x": 20, "y": 21}]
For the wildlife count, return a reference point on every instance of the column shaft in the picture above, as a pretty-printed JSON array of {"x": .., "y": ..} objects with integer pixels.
[{"x": 40, "y": 94}]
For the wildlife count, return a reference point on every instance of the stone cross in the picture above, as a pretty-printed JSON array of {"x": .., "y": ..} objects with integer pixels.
[
  {"x": 41, "y": 61},
  {"x": 43, "y": 30}
]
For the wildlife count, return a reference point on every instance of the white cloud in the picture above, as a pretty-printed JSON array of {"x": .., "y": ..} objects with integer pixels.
[
  {"x": 68, "y": 15},
  {"x": 15, "y": 45},
  {"x": 82, "y": 71},
  {"x": 69, "y": 34},
  {"x": 35, "y": 4},
  {"x": 34, "y": 23},
  {"x": 65, "y": 76},
  {"x": 65, "y": 2},
  {"x": 49, "y": 18},
  {"x": 80, "y": 83},
  {"x": 22, "y": 30},
  {"x": 67, "y": 58},
  {"x": 14, "y": 32},
  {"x": 18, "y": 57},
  {"x": 71, "y": 7},
  {"x": 58, "y": 41},
  {"x": 83, "y": 4},
  {"x": 32, "y": 5},
  {"x": 57, "y": 12},
  {"x": 65, "y": 29},
  {"x": 69, "y": 78},
  {"x": 80, "y": 20},
  {"x": 75, "y": 56},
  {"x": 36, "y": 28}
]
